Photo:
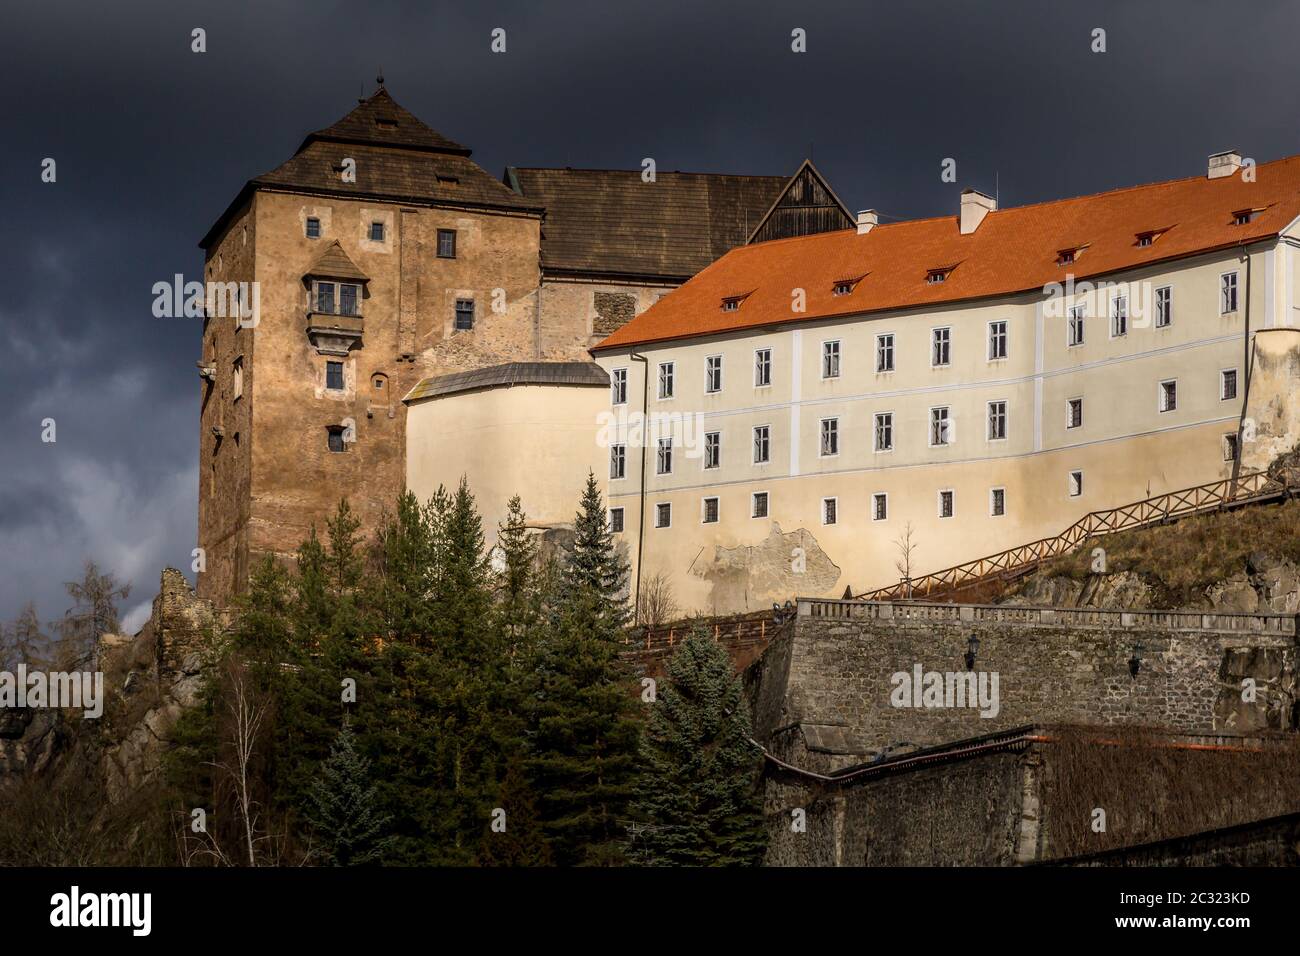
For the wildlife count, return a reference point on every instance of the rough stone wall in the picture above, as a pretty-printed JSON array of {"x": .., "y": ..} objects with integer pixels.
[
  {"x": 577, "y": 315},
  {"x": 1272, "y": 842},
  {"x": 1272, "y": 411},
  {"x": 1061, "y": 666},
  {"x": 293, "y": 480}
]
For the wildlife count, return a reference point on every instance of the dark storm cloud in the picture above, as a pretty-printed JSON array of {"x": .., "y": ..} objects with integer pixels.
[{"x": 152, "y": 141}]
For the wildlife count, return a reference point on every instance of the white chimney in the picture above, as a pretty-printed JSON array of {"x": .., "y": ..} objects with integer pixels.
[
  {"x": 974, "y": 207},
  {"x": 1224, "y": 164},
  {"x": 867, "y": 220}
]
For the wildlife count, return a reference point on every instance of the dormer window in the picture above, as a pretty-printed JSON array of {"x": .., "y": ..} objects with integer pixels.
[
  {"x": 1065, "y": 257},
  {"x": 732, "y": 304},
  {"x": 1243, "y": 217},
  {"x": 386, "y": 123},
  {"x": 843, "y": 288},
  {"x": 935, "y": 276},
  {"x": 1147, "y": 238}
]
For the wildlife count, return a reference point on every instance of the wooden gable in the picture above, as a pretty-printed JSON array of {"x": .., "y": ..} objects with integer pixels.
[{"x": 805, "y": 207}]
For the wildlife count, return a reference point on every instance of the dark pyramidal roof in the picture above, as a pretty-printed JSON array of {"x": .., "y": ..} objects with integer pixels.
[{"x": 381, "y": 120}]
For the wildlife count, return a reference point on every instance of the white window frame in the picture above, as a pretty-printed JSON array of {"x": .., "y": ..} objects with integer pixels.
[
  {"x": 832, "y": 355},
  {"x": 1069, "y": 413},
  {"x": 881, "y": 351},
  {"x": 1160, "y": 396},
  {"x": 704, "y": 509},
  {"x": 753, "y": 497},
  {"x": 610, "y": 520},
  {"x": 875, "y": 496},
  {"x": 836, "y": 502},
  {"x": 757, "y": 366},
  {"x": 622, "y": 459},
  {"x": 767, "y": 445},
  {"x": 669, "y": 506},
  {"x": 988, "y": 420},
  {"x": 708, "y": 374},
  {"x": 1075, "y": 483},
  {"x": 1223, "y": 381},
  {"x": 875, "y": 432},
  {"x": 947, "y": 430},
  {"x": 617, "y": 382},
  {"x": 1168, "y": 290},
  {"x": 670, "y": 379},
  {"x": 992, "y": 494},
  {"x": 947, "y": 346},
  {"x": 1004, "y": 337},
  {"x": 1224, "y": 287},
  {"x": 833, "y": 432},
  {"x": 660, "y": 446},
  {"x": 717, "y": 445},
  {"x": 938, "y": 503},
  {"x": 1116, "y": 314},
  {"x": 1075, "y": 319}
]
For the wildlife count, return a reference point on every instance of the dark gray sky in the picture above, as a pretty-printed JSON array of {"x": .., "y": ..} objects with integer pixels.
[{"x": 152, "y": 141}]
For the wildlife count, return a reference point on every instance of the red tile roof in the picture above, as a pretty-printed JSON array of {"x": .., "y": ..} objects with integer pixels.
[{"x": 1014, "y": 250}]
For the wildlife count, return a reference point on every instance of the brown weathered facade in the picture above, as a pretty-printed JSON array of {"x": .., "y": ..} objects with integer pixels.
[{"x": 380, "y": 255}]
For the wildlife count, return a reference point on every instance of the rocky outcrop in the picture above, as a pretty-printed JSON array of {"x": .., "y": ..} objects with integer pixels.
[{"x": 149, "y": 681}]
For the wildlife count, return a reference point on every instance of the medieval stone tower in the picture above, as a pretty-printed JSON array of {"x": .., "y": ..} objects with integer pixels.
[{"x": 379, "y": 255}]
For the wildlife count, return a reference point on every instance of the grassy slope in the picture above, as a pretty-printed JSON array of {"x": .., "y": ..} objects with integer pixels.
[{"x": 1182, "y": 559}]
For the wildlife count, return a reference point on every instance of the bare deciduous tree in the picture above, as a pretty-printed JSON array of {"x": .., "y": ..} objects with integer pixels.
[
  {"x": 92, "y": 615},
  {"x": 658, "y": 604},
  {"x": 906, "y": 548}
]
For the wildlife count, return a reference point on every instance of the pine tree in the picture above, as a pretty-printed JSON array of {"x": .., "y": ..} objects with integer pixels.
[
  {"x": 345, "y": 806},
  {"x": 698, "y": 801},
  {"x": 93, "y": 614}
]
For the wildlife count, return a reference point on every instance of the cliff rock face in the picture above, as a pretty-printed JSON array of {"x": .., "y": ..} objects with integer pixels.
[{"x": 149, "y": 680}]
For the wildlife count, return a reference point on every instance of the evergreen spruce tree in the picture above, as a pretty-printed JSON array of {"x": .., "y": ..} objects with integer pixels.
[
  {"x": 345, "y": 806},
  {"x": 698, "y": 801},
  {"x": 583, "y": 755},
  {"x": 522, "y": 843}
]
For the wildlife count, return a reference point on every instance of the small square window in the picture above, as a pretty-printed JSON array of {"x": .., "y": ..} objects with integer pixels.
[
  {"x": 830, "y": 510},
  {"x": 879, "y": 506},
  {"x": 997, "y": 502},
  {"x": 616, "y": 520},
  {"x": 1227, "y": 384},
  {"x": 334, "y": 375},
  {"x": 313, "y": 227},
  {"x": 376, "y": 232},
  {"x": 336, "y": 438},
  {"x": 663, "y": 515},
  {"x": 710, "y": 515},
  {"x": 446, "y": 243},
  {"x": 464, "y": 314},
  {"x": 1076, "y": 484},
  {"x": 945, "y": 504},
  {"x": 1230, "y": 447},
  {"x": 758, "y": 505}
]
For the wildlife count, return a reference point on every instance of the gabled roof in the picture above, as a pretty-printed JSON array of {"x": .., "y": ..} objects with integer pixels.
[
  {"x": 610, "y": 222},
  {"x": 1013, "y": 251},
  {"x": 335, "y": 264},
  {"x": 408, "y": 162},
  {"x": 807, "y": 205},
  {"x": 511, "y": 373},
  {"x": 378, "y": 120}
]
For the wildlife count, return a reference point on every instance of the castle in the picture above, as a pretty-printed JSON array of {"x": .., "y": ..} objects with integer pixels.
[
  {"x": 380, "y": 256},
  {"x": 778, "y": 399}
]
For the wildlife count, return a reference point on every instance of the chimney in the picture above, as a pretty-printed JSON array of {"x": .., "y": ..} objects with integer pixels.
[
  {"x": 867, "y": 220},
  {"x": 974, "y": 207},
  {"x": 1224, "y": 164}
]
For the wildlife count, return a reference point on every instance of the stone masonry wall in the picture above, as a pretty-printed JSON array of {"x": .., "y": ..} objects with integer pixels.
[{"x": 1062, "y": 666}]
